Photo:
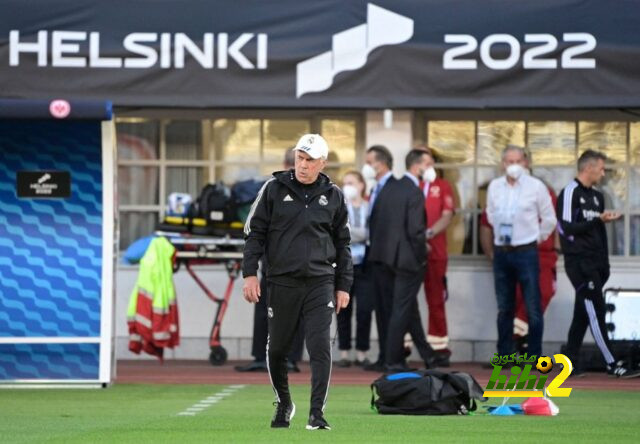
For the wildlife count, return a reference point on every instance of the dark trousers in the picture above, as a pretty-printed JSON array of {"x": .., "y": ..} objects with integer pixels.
[
  {"x": 362, "y": 297},
  {"x": 405, "y": 317},
  {"x": 397, "y": 313},
  {"x": 521, "y": 266},
  {"x": 382, "y": 288},
  {"x": 261, "y": 330},
  {"x": 314, "y": 302},
  {"x": 588, "y": 278}
]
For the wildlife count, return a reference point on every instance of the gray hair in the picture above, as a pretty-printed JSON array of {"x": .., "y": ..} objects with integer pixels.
[{"x": 517, "y": 148}]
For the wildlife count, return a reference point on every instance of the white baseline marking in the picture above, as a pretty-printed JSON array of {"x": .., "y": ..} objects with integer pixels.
[{"x": 210, "y": 400}]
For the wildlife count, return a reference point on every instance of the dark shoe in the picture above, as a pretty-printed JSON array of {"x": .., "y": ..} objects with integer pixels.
[
  {"x": 317, "y": 422},
  {"x": 344, "y": 363},
  {"x": 441, "y": 359},
  {"x": 375, "y": 367},
  {"x": 254, "y": 366},
  {"x": 620, "y": 370},
  {"x": 406, "y": 352},
  {"x": 293, "y": 367},
  {"x": 364, "y": 363},
  {"x": 283, "y": 415},
  {"x": 522, "y": 343}
]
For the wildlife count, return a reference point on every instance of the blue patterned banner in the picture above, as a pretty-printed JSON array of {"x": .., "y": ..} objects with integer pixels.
[{"x": 50, "y": 249}]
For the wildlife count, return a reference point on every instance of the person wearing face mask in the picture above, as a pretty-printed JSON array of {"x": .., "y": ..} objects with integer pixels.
[
  {"x": 439, "y": 205},
  {"x": 377, "y": 172},
  {"x": 548, "y": 257},
  {"x": 353, "y": 189},
  {"x": 520, "y": 210},
  {"x": 397, "y": 251}
]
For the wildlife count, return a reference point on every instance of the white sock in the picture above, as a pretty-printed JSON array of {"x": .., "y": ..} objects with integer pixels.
[
  {"x": 361, "y": 356},
  {"x": 344, "y": 354}
]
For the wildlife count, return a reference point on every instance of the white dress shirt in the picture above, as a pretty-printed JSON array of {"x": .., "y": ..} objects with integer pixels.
[{"x": 526, "y": 205}]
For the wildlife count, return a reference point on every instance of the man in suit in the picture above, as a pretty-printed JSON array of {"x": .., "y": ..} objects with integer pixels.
[{"x": 397, "y": 252}]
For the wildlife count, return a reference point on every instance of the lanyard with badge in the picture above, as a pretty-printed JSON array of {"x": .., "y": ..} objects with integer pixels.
[
  {"x": 507, "y": 215},
  {"x": 358, "y": 249}
]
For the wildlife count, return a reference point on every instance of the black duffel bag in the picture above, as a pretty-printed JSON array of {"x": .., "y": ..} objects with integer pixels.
[
  {"x": 426, "y": 392},
  {"x": 215, "y": 204}
]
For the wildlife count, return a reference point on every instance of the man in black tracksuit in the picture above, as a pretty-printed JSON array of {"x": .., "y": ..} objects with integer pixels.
[
  {"x": 300, "y": 221},
  {"x": 581, "y": 219}
]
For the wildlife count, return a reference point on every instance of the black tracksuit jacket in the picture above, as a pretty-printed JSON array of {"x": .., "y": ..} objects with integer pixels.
[
  {"x": 582, "y": 232},
  {"x": 302, "y": 229}
]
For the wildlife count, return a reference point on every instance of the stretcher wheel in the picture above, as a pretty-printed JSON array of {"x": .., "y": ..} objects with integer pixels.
[{"x": 218, "y": 355}]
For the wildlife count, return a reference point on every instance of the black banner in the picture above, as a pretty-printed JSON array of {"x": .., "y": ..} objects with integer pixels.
[
  {"x": 324, "y": 53},
  {"x": 43, "y": 184}
]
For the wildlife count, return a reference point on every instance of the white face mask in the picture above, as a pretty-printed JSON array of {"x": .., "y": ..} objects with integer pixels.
[
  {"x": 514, "y": 171},
  {"x": 368, "y": 172},
  {"x": 429, "y": 175},
  {"x": 350, "y": 192}
]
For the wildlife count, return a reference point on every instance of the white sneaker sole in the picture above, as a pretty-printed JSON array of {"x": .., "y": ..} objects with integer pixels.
[{"x": 310, "y": 427}]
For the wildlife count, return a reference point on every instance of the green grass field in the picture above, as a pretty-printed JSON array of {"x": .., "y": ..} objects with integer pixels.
[{"x": 150, "y": 414}]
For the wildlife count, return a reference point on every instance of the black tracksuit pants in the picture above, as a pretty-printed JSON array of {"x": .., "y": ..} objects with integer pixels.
[
  {"x": 261, "y": 329},
  {"x": 314, "y": 302},
  {"x": 588, "y": 278}
]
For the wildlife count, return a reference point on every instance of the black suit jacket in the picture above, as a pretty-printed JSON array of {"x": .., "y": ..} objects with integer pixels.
[{"x": 397, "y": 226}]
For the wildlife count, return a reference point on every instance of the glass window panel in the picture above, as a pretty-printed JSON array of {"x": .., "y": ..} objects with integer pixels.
[
  {"x": 134, "y": 225},
  {"x": 634, "y": 139},
  {"x": 183, "y": 140},
  {"x": 336, "y": 172},
  {"x": 280, "y": 135},
  {"x": 615, "y": 237},
  {"x": 138, "y": 185},
  {"x": 556, "y": 177},
  {"x": 267, "y": 170},
  {"x": 340, "y": 135},
  {"x": 237, "y": 140},
  {"x": 608, "y": 137},
  {"x": 188, "y": 180},
  {"x": 462, "y": 186},
  {"x": 231, "y": 174},
  {"x": 614, "y": 188},
  {"x": 138, "y": 140},
  {"x": 634, "y": 231},
  {"x": 454, "y": 142},
  {"x": 634, "y": 186},
  {"x": 485, "y": 176},
  {"x": 552, "y": 143},
  {"x": 493, "y": 137},
  {"x": 460, "y": 233}
]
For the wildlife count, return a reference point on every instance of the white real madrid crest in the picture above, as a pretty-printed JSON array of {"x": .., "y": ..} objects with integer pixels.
[{"x": 323, "y": 200}]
